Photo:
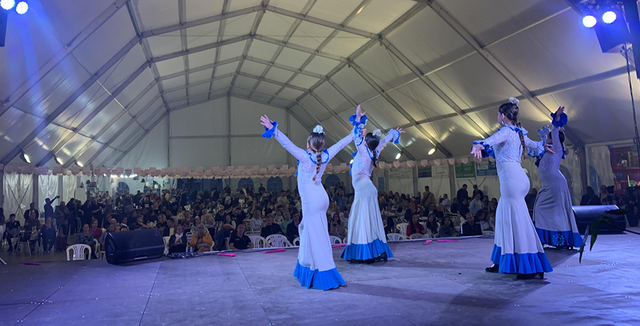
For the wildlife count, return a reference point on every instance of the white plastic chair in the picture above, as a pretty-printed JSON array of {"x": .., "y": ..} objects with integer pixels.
[
  {"x": 258, "y": 241},
  {"x": 335, "y": 240},
  {"x": 296, "y": 242},
  {"x": 166, "y": 244},
  {"x": 278, "y": 240},
  {"x": 78, "y": 251},
  {"x": 99, "y": 251},
  {"x": 402, "y": 227},
  {"x": 417, "y": 236},
  {"x": 396, "y": 237}
]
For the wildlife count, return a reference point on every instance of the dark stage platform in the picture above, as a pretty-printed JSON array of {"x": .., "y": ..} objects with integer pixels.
[{"x": 435, "y": 284}]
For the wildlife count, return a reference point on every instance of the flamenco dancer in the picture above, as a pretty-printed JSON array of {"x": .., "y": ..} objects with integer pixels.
[
  {"x": 517, "y": 248},
  {"x": 552, "y": 213},
  {"x": 315, "y": 268},
  {"x": 366, "y": 240}
]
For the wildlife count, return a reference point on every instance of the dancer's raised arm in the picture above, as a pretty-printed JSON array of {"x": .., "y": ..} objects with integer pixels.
[
  {"x": 271, "y": 129},
  {"x": 358, "y": 121},
  {"x": 393, "y": 135}
]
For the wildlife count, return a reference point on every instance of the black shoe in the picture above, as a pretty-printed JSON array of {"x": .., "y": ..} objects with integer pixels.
[
  {"x": 383, "y": 257},
  {"x": 370, "y": 261},
  {"x": 529, "y": 276},
  {"x": 493, "y": 269}
]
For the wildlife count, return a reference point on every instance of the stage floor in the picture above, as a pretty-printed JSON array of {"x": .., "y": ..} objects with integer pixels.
[{"x": 435, "y": 284}]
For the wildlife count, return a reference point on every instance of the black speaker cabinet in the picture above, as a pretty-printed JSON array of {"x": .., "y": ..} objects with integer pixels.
[
  {"x": 585, "y": 215},
  {"x": 129, "y": 246}
]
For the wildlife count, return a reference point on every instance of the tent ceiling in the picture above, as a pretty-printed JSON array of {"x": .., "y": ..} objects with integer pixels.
[{"x": 104, "y": 74}]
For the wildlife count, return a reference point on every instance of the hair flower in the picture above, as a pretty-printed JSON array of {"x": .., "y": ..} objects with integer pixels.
[
  {"x": 514, "y": 100},
  {"x": 318, "y": 129}
]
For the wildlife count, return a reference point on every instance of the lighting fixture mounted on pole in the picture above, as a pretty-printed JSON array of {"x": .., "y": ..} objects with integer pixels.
[{"x": 25, "y": 157}]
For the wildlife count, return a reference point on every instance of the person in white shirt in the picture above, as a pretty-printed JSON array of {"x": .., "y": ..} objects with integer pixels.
[
  {"x": 445, "y": 202},
  {"x": 256, "y": 221},
  {"x": 476, "y": 204}
]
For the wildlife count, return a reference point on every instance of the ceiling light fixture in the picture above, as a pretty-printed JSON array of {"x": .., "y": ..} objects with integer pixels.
[
  {"x": 431, "y": 151},
  {"x": 398, "y": 156},
  {"x": 25, "y": 157}
]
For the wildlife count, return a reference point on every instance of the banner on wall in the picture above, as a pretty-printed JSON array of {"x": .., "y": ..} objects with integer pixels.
[
  {"x": 424, "y": 172},
  {"x": 486, "y": 168},
  {"x": 401, "y": 174},
  {"x": 440, "y": 171},
  {"x": 467, "y": 170}
]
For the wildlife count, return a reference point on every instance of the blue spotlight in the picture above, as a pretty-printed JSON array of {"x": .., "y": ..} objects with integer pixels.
[
  {"x": 589, "y": 21},
  {"x": 22, "y": 8},
  {"x": 609, "y": 17},
  {"x": 7, "y": 4}
]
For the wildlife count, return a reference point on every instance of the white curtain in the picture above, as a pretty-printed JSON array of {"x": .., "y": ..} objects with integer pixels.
[
  {"x": 401, "y": 181},
  {"x": 18, "y": 194},
  {"x": 69, "y": 185},
  {"x": 47, "y": 188}
]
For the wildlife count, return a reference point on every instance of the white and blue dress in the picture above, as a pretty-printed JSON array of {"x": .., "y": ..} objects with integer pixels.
[
  {"x": 552, "y": 212},
  {"x": 517, "y": 248},
  {"x": 366, "y": 238},
  {"x": 315, "y": 268}
]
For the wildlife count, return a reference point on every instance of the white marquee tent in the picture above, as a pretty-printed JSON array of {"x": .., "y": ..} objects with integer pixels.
[{"x": 181, "y": 83}]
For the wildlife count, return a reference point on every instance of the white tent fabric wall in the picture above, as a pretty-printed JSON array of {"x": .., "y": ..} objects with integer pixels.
[
  {"x": 69, "y": 185},
  {"x": 401, "y": 181},
  {"x": 48, "y": 187},
  {"x": 18, "y": 194},
  {"x": 151, "y": 151},
  {"x": 599, "y": 158}
]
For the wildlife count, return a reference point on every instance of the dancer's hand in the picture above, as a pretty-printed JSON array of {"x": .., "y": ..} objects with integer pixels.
[
  {"x": 264, "y": 120},
  {"x": 364, "y": 132},
  {"x": 359, "y": 113},
  {"x": 548, "y": 148},
  {"x": 476, "y": 150},
  {"x": 559, "y": 113},
  {"x": 400, "y": 130}
]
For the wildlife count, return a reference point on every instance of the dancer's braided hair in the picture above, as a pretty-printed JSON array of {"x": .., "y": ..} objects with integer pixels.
[
  {"x": 372, "y": 144},
  {"x": 316, "y": 144},
  {"x": 510, "y": 111}
]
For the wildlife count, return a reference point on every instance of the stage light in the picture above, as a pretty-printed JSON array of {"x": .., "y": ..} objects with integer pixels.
[
  {"x": 589, "y": 21},
  {"x": 59, "y": 160},
  {"x": 26, "y": 158},
  {"x": 351, "y": 162},
  {"x": 7, "y": 4},
  {"x": 22, "y": 8},
  {"x": 398, "y": 156},
  {"x": 431, "y": 151},
  {"x": 609, "y": 17},
  {"x": 78, "y": 163}
]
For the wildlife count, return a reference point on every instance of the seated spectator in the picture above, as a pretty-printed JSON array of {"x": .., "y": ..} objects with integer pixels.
[
  {"x": 124, "y": 228},
  {"x": 97, "y": 232},
  {"x": 103, "y": 238},
  {"x": 178, "y": 241},
  {"x": 292, "y": 228},
  {"x": 139, "y": 224},
  {"x": 483, "y": 221},
  {"x": 337, "y": 227},
  {"x": 269, "y": 227},
  {"x": 48, "y": 233},
  {"x": 415, "y": 226},
  {"x": 470, "y": 227},
  {"x": 86, "y": 237},
  {"x": 124, "y": 222},
  {"x": 239, "y": 240},
  {"x": 224, "y": 231},
  {"x": 169, "y": 230},
  {"x": 31, "y": 231},
  {"x": 445, "y": 202},
  {"x": 162, "y": 223},
  {"x": 285, "y": 223},
  {"x": 12, "y": 230},
  {"x": 447, "y": 229},
  {"x": 388, "y": 228},
  {"x": 201, "y": 241},
  {"x": 432, "y": 226},
  {"x": 256, "y": 221},
  {"x": 207, "y": 218}
]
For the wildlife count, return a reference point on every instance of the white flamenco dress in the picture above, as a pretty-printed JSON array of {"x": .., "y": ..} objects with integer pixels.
[
  {"x": 552, "y": 212},
  {"x": 366, "y": 238},
  {"x": 315, "y": 268},
  {"x": 517, "y": 248}
]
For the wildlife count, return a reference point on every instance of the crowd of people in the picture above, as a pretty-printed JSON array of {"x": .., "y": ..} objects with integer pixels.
[{"x": 214, "y": 216}]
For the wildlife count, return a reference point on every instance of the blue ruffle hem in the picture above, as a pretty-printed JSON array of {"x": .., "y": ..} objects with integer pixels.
[
  {"x": 520, "y": 263},
  {"x": 325, "y": 280},
  {"x": 559, "y": 238},
  {"x": 370, "y": 250}
]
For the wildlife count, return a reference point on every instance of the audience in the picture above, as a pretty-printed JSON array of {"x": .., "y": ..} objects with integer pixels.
[
  {"x": 415, "y": 226},
  {"x": 292, "y": 228},
  {"x": 447, "y": 229},
  {"x": 470, "y": 227},
  {"x": 269, "y": 227},
  {"x": 337, "y": 226},
  {"x": 201, "y": 241},
  {"x": 86, "y": 237},
  {"x": 178, "y": 241},
  {"x": 239, "y": 240}
]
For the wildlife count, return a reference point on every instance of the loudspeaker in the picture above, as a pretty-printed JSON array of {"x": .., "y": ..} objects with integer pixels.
[
  {"x": 128, "y": 246},
  {"x": 585, "y": 215}
]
